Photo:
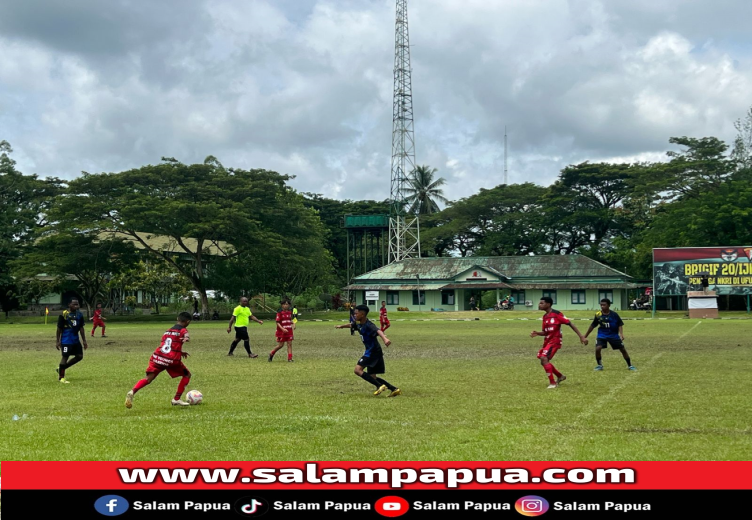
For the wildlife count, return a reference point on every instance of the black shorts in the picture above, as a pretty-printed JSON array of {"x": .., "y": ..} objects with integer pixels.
[
  {"x": 616, "y": 344},
  {"x": 74, "y": 349},
  {"x": 373, "y": 364},
  {"x": 242, "y": 333}
]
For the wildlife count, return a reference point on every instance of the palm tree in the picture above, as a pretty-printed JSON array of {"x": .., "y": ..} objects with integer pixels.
[{"x": 424, "y": 192}]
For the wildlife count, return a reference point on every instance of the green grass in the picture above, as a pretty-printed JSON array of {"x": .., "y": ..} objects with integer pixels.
[{"x": 473, "y": 390}]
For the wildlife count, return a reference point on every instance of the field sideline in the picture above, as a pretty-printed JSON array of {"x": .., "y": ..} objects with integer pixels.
[{"x": 473, "y": 390}]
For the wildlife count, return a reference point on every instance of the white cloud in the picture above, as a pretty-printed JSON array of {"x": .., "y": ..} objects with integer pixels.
[{"x": 304, "y": 87}]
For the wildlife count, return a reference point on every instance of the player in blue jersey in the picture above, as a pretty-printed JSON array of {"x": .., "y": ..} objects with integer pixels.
[
  {"x": 610, "y": 332},
  {"x": 70, "y": 325},
  {"x": 373, "y": 358}
]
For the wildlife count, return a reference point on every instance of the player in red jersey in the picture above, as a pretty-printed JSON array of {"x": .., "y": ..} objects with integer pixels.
[
  {"x": 168, "y": 356},
  {"x": 98, "y": 320},
  {"x": 552, "y": 322},
  {"x": 383, "y": 319},
  {"x": 284, "y": 332}
]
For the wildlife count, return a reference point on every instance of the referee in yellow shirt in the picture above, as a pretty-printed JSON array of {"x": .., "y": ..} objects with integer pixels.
[{"x": 241, "y": 317}]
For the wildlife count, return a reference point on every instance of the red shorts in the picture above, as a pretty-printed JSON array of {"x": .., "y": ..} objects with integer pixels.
[
  {"x": 98, "y": 323},
  {"x": 549, "y": 351},
  {"x": 158, "y": 364},
  {"x": 385, "y": 322},
  {"x": 281, "y": 338}
]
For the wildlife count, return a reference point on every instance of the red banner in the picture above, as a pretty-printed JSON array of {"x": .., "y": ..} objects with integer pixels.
[{"x": 376, "y": 475}]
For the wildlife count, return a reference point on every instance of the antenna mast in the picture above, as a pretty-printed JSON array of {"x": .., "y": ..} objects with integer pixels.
[
  {"x": 506, "y": 172},
  {"x": 404, "y": 227}
]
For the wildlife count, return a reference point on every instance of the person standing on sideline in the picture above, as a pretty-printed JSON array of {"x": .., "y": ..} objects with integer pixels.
[
  {"x": 610, "y": 332},
  {"x": 552, "y": 322},
  {"x": 241, "y": 317},
  {"x": 472, "y": 303},
  {"x": 70, "y": 325},
  {"x": 98, "y": 320},
  {"x": 195, "y": 306},
  {"x": 284, "y": 331},
  {"x": 373, "y": 358},
  {"x": 352, "y": 317},
  {"x": 168, "y": 356},
  {"x": 383, "y": 318}
]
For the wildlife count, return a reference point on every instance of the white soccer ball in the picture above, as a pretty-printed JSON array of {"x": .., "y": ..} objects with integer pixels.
[{"x": 194, "y": 397}]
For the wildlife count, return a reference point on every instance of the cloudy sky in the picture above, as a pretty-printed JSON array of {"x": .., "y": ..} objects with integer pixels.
[{"x": 304, "y": 87}]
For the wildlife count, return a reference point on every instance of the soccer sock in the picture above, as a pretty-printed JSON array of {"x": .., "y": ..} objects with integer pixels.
[
  {"x": 598, "y": 358},
  {"x": 103, "y": 327},
  {"x": 366, "y": 377},
  {"x": 92, "y": 330},
  {"x": 247, "y": 345},
  {"x": 289, "y": 356},
  {"x": 556, "y": 372},
  {"x": 383, "y": 382},
  {"x": 140, "y": 385},
  {"x": 61, "y": 371},
  {"x": 232, "y": 346},
  {"x": 181, "y": 387},
  {"x": 549, "y": 371},
  {"x": 629, "y": 361}
]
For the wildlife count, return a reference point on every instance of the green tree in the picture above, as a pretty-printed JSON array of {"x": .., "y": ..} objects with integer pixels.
[
  {"x": 700, "y": 167},
  {"x": 424, "y": 192},
  {"x": 158, "y": 279},
  {"x": 741, "y": 153},
  {"x": 90, "y": 259},
  {"x": 505, "y": 220},
  {"x": 24, "y": 200},
  {"x": 715, "y": 218},
  {"x": 226, "y": 212},
  {"x": 582, "y": 208}
]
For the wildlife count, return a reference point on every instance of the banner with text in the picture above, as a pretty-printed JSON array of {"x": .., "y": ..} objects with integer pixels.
[{"x": 678, "y": 270}]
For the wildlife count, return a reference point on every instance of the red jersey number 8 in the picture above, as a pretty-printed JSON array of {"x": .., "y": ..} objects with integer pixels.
[{"x": 167, "y": 346}]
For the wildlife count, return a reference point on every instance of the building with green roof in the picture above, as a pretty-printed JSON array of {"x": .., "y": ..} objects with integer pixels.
[{"x": 575, "y": 282}]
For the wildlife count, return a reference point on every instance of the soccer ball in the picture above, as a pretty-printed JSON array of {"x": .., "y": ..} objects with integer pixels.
[{"x": 194, "y": 397}]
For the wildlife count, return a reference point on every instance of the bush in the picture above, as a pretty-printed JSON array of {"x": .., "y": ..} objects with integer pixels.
[{"x": 402, "y": 309}]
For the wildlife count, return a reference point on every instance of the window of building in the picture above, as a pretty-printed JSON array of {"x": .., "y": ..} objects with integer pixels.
[
  {"x": 447, "y": 297},
  {"x": 392, "y": 297},
  {"x": 422, "y": 297},
  {"x": 519, "y": 297},
  {"x": 551, "y": 294},
  {"x": 606, "y": 294},
  {"x": 578, "y": 296}
]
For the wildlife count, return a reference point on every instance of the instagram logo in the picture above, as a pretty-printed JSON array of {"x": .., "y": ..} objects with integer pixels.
[{"x": 531, "y": 505}]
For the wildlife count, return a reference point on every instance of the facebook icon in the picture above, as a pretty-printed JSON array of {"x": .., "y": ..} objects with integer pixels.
[{"x": 111, "y": 505}]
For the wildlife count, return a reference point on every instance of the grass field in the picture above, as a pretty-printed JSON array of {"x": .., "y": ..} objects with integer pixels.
[{"x": 472, "y": 390}]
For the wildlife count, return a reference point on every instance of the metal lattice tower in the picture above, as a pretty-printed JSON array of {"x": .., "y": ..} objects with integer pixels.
[{"x": 404, "y": 228}]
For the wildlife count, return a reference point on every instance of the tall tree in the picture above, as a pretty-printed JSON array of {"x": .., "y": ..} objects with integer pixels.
[
  {"x": 207, "y": 212},
  {"x": 582, "y": 206},
  {"x": 24, "y": 200},
  {"x": 505, "y": 220},
  {"x": 424, "y": 192},
  {"x": 741, "y": 153},
  {"x": 700, "y": 167}
]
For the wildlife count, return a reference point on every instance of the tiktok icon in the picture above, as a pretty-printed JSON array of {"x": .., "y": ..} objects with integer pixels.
[{"x": 251, "y": 506}]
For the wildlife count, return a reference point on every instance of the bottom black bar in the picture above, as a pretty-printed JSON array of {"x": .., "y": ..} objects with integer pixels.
[{"x": 457, "y": 504}]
